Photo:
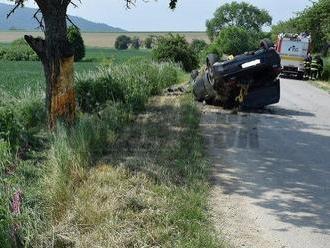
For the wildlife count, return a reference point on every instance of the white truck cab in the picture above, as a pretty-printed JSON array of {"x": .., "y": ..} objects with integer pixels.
[{"x": 293, "y": 50}]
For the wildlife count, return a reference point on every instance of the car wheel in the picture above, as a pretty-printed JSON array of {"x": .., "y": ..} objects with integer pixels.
[
  {"x": 266, "y": 43},
  {"x": 210, "y": 61},
  {"x": 199, "y": 88},
  {"x": 300, "y": 75}
]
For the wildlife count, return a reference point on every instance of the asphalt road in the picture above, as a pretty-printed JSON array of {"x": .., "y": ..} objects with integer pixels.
[{"x": 272, "y": 170}]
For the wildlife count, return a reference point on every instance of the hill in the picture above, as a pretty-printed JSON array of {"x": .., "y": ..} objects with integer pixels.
[{"x": 23, "y": 20}]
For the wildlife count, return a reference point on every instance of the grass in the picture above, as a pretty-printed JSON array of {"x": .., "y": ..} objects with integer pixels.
[
  {"x": 325, "y": 83},
  {"x": 115, "y": 179},
  {"x": 151, "y": 190},
  {"x": 113, "y": 55},
  {"x": 19, "y": 76}
]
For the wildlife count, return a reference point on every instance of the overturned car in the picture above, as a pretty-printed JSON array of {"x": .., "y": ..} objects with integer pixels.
[{"x": 250, "y": 80}]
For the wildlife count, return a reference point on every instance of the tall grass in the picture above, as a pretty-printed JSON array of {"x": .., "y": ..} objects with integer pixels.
[
  {"x": 131, "y": 83},
  {"x": 72, "y": 150}
]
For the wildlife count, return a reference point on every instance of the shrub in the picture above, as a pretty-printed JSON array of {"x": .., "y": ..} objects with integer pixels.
[
  {"x": 130, "y": 83},
  {"x": 148, "y": 42},
  {"x": 10, "y": 128},
  {"x": 5, "y": 155},
  {"x": 122, "y": 42},
  {"x": 198, "y": 46},
  {"x": 136, "y": 43},
  {"x": 236, "y": 40},
  {"x": 18, "y": 51},
  {"x": 93, "y": 89},
  {"x": 175, "y": 48},
  {"x": 77, "y": 43},
  {"x": 32, "y": 113}
]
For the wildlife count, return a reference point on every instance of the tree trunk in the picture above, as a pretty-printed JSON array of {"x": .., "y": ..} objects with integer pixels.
[{"x": 58, "y": 60}]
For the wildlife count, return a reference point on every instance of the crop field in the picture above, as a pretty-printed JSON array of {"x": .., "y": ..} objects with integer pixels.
[
  {"x": 18, "y": 76},
  {"x": 104, "y": 39}
]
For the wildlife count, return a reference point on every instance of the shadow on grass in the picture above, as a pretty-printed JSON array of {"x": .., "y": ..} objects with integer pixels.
[{"x": 160, "y": 145}]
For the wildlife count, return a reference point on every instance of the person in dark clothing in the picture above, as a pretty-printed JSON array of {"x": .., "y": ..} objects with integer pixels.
[
  {"x": 319, "y": 61},
  {"x": 307, "y": 65}
]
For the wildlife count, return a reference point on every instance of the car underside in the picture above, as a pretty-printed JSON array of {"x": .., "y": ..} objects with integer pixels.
[{"x": 250, "y": 80}]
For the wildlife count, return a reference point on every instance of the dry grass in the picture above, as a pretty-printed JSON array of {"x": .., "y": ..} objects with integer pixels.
[
  {"x": 150, "y": 191},
  {"x": 322, "y": 85},
  {"x": 106, "y": 40}
]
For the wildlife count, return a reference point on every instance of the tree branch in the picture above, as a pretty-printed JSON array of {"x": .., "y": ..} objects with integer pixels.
[
  {"x": 37, "y": 44},
  {"x": 18, "y": 3}
]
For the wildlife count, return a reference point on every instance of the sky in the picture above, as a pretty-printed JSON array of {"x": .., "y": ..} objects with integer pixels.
[{"x": 154, "y": 15}]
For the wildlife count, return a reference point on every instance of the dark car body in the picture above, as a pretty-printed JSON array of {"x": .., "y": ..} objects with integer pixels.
[{"x": 249, "y": 80}]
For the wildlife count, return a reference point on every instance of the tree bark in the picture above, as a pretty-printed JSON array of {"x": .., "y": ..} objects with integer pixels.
[{"x": 58, "y": 61}]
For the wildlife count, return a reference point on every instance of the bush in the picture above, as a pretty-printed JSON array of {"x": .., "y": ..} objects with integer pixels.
[
  {"x": 198, "y": 46},
  {"x": 21, "y": 118},
  {"x": 77, "y": 43},
  {"x": 122, "y": 42},
  {"x": 10, "y": 128},
  {"x": 18, "y": 51},
  {"x": 175, "y": 48},
  {"x": 93, "y": 89},
  {"x": 131, "y": 83},
  {"x": 136, "y": 43},
  {"x": 5, "y": 155},
  {"x": 148, "y": 42},
  {"x": 236, "y": 40}
]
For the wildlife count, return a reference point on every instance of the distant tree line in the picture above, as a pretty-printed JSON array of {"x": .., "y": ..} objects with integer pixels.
[{"x": 124, "y": 42}]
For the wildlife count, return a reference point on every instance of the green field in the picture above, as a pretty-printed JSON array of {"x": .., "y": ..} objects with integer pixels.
[{"x": 17, "y": 76}]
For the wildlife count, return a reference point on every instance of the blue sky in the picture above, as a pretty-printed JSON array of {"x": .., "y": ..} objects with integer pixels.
[{"x": 190, "y": 15}]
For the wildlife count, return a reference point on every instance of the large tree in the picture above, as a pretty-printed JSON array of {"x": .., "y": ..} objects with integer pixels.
[
  {"x": 57, "y": 56},
  {"x": 242, "y": 15}
]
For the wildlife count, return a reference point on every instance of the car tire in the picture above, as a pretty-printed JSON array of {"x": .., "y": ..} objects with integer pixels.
[
  {"x": 300, "y": 75},
  {"x": 266, "y": 43},
  {"x": 199, "y": 88},
  {"x": 210, "y": 61}
]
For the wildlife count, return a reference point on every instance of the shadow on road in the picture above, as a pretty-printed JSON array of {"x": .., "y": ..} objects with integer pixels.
[{"x": 282, "y": 163}]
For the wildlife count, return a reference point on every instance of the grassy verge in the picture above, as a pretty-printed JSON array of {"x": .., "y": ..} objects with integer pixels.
[
  {"x": 325, "y": 83},
  {"x": 151, "y": 190},
  {"x": 47, "y": 181}
]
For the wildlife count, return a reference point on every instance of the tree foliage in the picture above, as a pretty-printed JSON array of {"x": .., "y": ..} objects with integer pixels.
[
  {"x": 148, "y": 42},
  {"x": 122, "y": 42},
  {"x": 77, "y": 43},
  {"x": 175, "y": 48},
  {"x": 135, "y": 42},
  {"x": 198, "y": 45},
  {"x": 236, "y": 40},
  {"x": 242, "y": 15}
]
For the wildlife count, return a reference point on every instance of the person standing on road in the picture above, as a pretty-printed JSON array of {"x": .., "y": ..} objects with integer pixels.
[{"x": 307, "y": 65}]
